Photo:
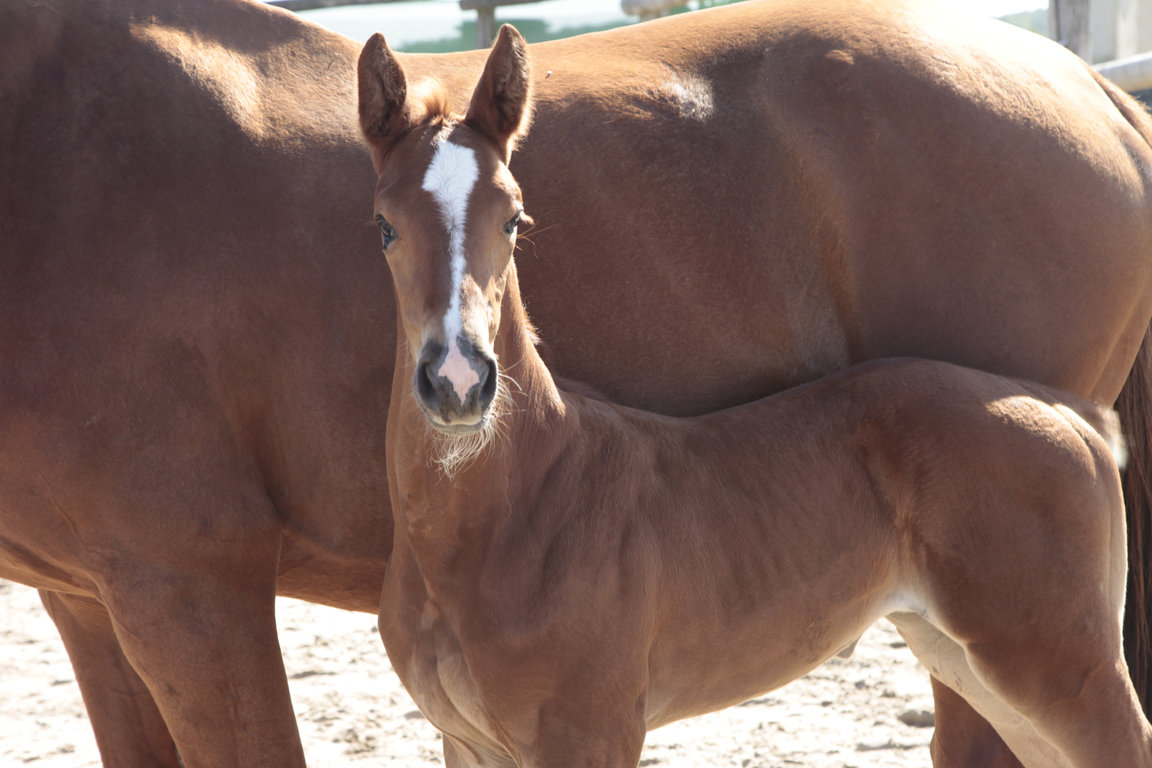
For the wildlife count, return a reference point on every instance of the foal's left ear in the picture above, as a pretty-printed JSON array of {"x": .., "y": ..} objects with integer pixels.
[{"x": 501, "y": 105}]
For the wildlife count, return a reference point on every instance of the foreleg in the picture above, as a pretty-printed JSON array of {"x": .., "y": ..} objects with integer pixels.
[{"x": 128, "y": 727}]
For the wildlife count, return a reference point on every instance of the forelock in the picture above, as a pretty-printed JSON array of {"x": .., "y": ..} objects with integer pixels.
[{"x": 430, "y": 104}]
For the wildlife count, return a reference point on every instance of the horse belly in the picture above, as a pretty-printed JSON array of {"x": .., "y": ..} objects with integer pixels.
[{"x": 743, "y": 638}]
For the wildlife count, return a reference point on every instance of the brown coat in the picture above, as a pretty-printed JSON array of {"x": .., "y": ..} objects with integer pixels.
[
  {"x": 568, "y": 573},
  {"x": 197, "y": 330}
]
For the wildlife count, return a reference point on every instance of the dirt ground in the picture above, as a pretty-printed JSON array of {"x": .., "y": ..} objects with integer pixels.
[{"x": 353, "y": 711}]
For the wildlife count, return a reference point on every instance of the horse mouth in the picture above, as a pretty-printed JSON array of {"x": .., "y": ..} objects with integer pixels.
[
  {"x": 456, "y": 444},
  {"x": 456, "y": 428},
  {"x": 452, "y": 418}
]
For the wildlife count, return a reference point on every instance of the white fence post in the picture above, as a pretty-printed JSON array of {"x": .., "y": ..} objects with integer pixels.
[{"x": 1071, "y": 24}]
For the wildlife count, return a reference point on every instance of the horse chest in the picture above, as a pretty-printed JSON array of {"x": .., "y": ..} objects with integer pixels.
[{"x": 426, "y": 652}]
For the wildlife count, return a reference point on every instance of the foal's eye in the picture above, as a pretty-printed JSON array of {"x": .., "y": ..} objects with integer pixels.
[
  {"x": 387, "y": 232},
  {"x": 512, "y": 223}
]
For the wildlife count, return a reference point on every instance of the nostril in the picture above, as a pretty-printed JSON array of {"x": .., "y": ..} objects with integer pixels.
[
  {"x": 489, "y": 377},
  {"x": 426, "y": 384}
]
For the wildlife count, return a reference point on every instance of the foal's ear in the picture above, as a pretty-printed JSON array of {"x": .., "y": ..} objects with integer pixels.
[
  {"x": 384, "y": 111},
  {"x": 501, "y": 105}
]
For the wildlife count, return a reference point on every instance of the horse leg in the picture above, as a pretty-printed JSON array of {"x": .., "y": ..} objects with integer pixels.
[
  {"x": 585, "y": 731},
  {"x": 455, "y": 757},
  {"x": 586, "y": 753},
  {"x": 128, "y": 727},
  {"x": 201, "y": 633},
  {"x": 1028, "y": 584},
  {"x": 1078, "y": 697},
  {"x": 458, "y": 755},
  {"x": 962, "y": 737},
  {"x": 560, "y": 742},
  {"x": 952, "y": 666}
]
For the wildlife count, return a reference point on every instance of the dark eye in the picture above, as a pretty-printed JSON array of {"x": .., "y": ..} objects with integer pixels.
[
  {"x": 512, "y": 223},
  {"x": 387, "y": 233}
]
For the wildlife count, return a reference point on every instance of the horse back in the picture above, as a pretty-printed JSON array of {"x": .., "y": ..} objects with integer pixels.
[{"x": 884, "y": 190}]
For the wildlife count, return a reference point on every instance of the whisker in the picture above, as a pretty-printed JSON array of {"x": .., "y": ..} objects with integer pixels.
[
  {"x": 527, "y": 236},
  {"x": 537, "y": 229},
  {"x": 453, "y": 453},
  {"x": 505, "y": 374}
]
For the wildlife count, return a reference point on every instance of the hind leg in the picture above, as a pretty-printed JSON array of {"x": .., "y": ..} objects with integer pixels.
[
  {"x": 964, "y": 739},
  {"x": 128, "y": 727},
  {"x": 1052, "y": 681},
  {"x": 950, "y": 665},
  {"x": 1029, "y": 593},
  {"x": 1076, "y": 694}
]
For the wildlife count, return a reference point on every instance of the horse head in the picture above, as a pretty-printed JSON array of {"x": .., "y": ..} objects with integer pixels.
[{"x": 448, "y": 210}]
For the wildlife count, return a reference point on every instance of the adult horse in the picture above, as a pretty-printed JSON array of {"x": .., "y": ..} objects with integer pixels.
[{"x": 197, "y": 330}]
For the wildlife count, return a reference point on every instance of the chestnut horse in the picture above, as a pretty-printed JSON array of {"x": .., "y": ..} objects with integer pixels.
[
  {"x": 567, "y": 573},
  {"x": 197, "y": 338}
]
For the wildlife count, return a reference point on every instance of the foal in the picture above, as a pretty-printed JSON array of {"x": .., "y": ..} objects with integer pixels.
[{"x": 568, "y": 574}]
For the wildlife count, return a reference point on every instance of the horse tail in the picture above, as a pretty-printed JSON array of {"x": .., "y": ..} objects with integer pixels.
[{"x": 1135, "y": 408}]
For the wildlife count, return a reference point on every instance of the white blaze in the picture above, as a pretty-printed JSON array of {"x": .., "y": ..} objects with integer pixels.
[{"x": 450, "y": 178}]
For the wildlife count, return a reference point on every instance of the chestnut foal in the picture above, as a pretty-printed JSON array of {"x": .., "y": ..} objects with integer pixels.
[{"x": 568, "y": 574}]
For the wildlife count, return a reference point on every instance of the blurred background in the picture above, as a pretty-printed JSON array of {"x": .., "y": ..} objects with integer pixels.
[
  {"x": 438, "y": 26},
  {"x": 1114, "y": 35}
]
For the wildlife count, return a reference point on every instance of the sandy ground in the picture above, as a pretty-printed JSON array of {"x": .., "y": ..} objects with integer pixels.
[{"x": 353, "y": 711}]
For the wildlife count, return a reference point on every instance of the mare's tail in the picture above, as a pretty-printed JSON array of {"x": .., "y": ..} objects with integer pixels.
[{"x": 1135, "y": 408}]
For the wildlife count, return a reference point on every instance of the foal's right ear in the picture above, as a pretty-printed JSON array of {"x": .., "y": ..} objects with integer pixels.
[{"x": 385, "y": 115}]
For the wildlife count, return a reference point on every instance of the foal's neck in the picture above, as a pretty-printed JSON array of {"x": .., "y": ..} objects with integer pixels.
[
  {"x": 533, "y": 424},
  {"x": 535, "y": 401}
]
